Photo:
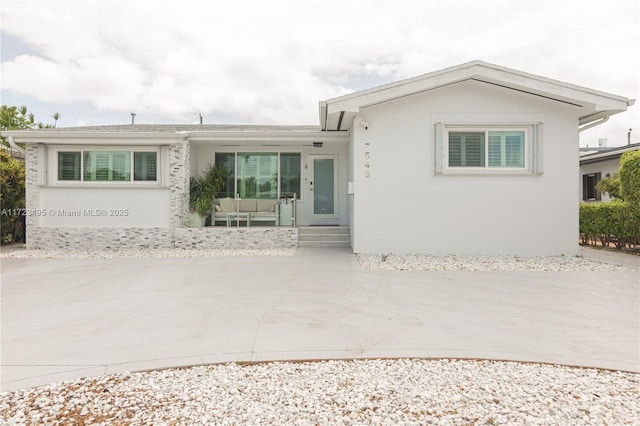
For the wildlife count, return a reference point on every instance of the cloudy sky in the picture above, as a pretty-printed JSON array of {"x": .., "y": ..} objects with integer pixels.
[{"x": 257, "y": 61}]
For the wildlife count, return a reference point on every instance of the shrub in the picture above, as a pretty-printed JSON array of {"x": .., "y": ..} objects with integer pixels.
[
  {"x": 617, "y": 222},
  {"x": 630, "y": 177},
  {"x": 12, "y": 198}
]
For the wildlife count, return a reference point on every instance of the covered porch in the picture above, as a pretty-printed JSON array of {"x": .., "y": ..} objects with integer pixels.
[{"x": 276, "y": 176}]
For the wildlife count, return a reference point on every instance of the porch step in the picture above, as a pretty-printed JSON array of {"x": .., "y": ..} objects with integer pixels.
[{"x": 324, "y": 236}]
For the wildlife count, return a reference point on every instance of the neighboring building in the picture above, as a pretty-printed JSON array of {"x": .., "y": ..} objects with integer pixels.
[
  {"x": 598, "y": 165},
  {"x": 473, "y": 159}
]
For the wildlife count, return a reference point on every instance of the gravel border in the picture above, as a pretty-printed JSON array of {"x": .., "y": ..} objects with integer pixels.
[
  {"x": 370, "y": 262},
  {"x": 422, "y": 262},
  {"x": 377, "y": 392}
]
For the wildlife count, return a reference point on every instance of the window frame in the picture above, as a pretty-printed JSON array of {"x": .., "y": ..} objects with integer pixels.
[
  {"x": 589, "y": 183},
  {"x": 533, "y": 134},
  {"x": 486, "y": 129},
  {"x": 54, "y": 151},
  {"x": 236, "y": 155}
]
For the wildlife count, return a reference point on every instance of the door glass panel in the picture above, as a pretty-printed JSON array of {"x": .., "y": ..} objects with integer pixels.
[{"x": 323, "y": 186}]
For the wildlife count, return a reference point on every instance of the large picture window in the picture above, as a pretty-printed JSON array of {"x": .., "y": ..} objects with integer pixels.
[
  {"x": 107, "y": 166},
  {"x": 475, "y": 148},
  {"x": 261, "y": 175}
]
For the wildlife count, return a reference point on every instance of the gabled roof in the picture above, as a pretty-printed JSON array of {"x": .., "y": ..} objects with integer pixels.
[{"x": 335, "y": 113}]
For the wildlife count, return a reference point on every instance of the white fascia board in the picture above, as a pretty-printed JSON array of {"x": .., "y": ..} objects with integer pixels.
[
  {"x": 92, "y": 138},
  {"x": 273, "y": 136},
  {"x": 482, "y": 71},
  {"x": 322, "y": 109}
]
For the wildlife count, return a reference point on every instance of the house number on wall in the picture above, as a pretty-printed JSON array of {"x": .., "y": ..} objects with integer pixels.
[{"x": 367, "y": 166}]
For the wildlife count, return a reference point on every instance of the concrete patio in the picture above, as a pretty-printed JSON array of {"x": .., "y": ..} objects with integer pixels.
[{"x": 67, "y": 318}]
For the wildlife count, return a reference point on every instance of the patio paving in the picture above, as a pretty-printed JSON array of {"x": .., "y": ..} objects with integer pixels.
[{"x": 67, "y": 318}]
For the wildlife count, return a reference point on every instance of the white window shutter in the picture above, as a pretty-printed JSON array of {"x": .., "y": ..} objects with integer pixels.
[
  {"x": 439, "y": 147},
  {"x": 537, "y": 145},
  {"x": 163, "y": 167},
  {"x": 42, "y": 164}
]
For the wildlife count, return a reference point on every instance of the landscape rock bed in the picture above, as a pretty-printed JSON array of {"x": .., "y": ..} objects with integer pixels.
[
  {"x": 377, "y": 392},
  {"x": 420, "y": 262}
]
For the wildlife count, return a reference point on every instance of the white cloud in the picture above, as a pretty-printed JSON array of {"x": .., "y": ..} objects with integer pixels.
[{"x": 272, "y": 61}]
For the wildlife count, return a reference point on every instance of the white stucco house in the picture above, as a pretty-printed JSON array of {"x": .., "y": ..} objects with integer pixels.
[
  {"x": 597, "y": 165},
  {"x": 472, "y": 159}
]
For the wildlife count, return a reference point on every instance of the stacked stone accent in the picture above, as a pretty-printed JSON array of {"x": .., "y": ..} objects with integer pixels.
[
  {"x": 32, "y": 201},
  {"x": 178, "y": 182},
  {"x": 96, "y": 239},
  {"x": 235, "y": 238},
  {"x": 101, "y": 238}
]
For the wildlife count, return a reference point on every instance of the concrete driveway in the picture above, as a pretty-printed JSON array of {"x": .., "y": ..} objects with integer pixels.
[{"x": 63, "y": 319}]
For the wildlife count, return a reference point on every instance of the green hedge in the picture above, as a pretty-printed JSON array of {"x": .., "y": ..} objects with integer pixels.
[
  {"x": 12, "y": 193},
  {"x": 617, "y": 222}
]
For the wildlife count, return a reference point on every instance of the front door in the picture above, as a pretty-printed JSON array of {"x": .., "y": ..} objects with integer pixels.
[{"x": 323, "y": 185}]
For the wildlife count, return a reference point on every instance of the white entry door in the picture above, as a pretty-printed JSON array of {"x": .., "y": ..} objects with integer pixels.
[{"x": 323, "y": 185}]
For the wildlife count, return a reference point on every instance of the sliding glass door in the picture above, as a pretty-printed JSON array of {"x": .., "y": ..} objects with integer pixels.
[{"x": 261, "y": 175}]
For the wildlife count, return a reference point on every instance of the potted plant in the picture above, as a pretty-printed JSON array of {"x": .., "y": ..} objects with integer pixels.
[{"x": 202, "y": 192}]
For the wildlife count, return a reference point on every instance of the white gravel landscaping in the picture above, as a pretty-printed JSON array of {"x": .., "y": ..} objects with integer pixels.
[
  {"x": 421, "y": 262},
  {"x": 374, "y": 262},
  {"x": 364, "y": 392}
]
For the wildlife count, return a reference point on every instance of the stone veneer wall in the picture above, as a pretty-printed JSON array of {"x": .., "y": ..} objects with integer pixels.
[
  {"x": 32, "y": 201},
  {"x": 95, "y": 239},
  {"x": 178, "y": 182},
  {"x": 234, "y": 238}
]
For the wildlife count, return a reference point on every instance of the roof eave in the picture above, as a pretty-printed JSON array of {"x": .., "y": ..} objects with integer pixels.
[
  {"x": 159, "y": 138},
  {"x": 78, "y": 138},
  {"x": 488, "y": 73},
  {"x": 261, "y": 136}
]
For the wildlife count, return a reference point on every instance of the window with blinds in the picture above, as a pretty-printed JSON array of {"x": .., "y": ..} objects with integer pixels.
[
  {"x": 68, "y": 166},
  {"x": 466, "y": 149},
  {"x": 506, "y": 149},
  {"x": 111, "y": 166},
  {"x": 486, "y": 149},
  {"x": 107, "y": 166},
  {"x": 145, "y": 166}
]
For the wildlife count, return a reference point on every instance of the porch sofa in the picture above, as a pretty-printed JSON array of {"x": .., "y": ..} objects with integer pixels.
[{"x": 259, "y": 210}]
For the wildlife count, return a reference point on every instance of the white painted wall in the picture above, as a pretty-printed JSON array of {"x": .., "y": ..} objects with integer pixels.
[
  {"x": 91, "y": 207},
  {"x": 405, "y": 207}
]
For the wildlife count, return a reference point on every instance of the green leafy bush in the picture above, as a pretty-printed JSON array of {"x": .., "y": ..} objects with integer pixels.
[
  {"x": 630, "y": 177},
  {"x": 12, "y": 198},
  {"x": 617, "y": 222}
]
